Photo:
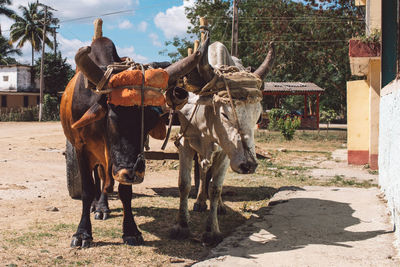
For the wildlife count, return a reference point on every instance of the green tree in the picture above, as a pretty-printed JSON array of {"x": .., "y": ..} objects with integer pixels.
[
  {"x": 310, "y": 36},
  {"x": 56, "y": 73},
  {"x": 4, "y": 10},
  {"x": 6, "y": 50},
  {"x": 29, "y": 28}
]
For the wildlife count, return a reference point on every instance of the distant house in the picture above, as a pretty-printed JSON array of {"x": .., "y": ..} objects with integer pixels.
[
  {"x": 309, "y": 117},
  {"x": 16, "y": 87}
]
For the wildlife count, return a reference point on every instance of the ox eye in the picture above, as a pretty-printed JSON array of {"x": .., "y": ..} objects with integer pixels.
[
  {"x": 259, "y": 119},
  {"x": 225, "y": 116}
]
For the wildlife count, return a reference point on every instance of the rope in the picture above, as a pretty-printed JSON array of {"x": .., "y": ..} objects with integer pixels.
[
  {"x": 142, "y": 112},
  {"x": 228, "y": 90},
  {"x": 176, "y": 142}
]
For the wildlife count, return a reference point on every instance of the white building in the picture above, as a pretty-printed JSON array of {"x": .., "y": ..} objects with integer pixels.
[{"x": 16, "y": 89}]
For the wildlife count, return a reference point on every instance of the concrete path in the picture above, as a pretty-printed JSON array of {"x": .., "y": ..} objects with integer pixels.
[{"x": 313, "y": 226}]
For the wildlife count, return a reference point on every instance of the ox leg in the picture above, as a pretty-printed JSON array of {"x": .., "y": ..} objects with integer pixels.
[
  {"x": 102, "y": 210},
  {"x": 181, "y": 229},
  {"x": 83, "y": 236},
  {"x": 131, "y": 234},
  {"x": 213, "y": 235},
  {"x": 201, "y": 201}
]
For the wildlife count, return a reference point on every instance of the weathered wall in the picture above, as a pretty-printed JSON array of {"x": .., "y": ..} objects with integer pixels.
[
  {"x": 389, "y": 149},
  {"x": 10, "y": 74},
  {"x": 24, "y": 79},
  {"x": 358, "y": 122},
  {"x": 19, "y": 78}
]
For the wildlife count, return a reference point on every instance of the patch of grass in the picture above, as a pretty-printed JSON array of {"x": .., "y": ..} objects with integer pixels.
[
  {"x": 374, "y": 172},
  {"x": 102, "y": 232},
  {"x": 339, "y": 180},
  {"x": 80, "y": 263},
  {"x": 303, "y": 140},
  {"x": 64, "y": 227},
  {"x": 28, "y": 238}
]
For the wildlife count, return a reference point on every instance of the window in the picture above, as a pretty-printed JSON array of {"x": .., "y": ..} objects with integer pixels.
[
  {"x": 4, "y": 101},
  {"x": 38, "y": 100},
  {"x": 26, "y": 101},
  {"x": 5, "y": 78}
]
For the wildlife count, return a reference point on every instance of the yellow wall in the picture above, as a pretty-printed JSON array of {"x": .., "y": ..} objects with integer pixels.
[
  {"x": 32, "y": 100},
  {"x": 360, "y": 2},
  {"x": 374, "y": 15},
  {"x": 15, "y": 101},
  {"x": 358, "y": 115},
  {"x": 374, "y": 80}
]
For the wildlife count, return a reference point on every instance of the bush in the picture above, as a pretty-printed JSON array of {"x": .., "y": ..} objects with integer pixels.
[
  {"x": 50, "y": 111},
  {"x": 274, "y": 116},
  {"x": 288, "y": 126},
  {"x": 20, "y": 114},
  {"x": 51, "y": 108}
]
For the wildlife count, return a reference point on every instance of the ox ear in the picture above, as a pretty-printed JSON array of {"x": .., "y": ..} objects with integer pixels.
[{"x": 94, "y": 113}]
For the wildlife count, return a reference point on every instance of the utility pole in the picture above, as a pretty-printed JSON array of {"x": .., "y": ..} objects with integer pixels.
[
  {"x": 42, "y": 59},
  {"x": 235, "y": 29},
  {"x": 54, "y": 31}
]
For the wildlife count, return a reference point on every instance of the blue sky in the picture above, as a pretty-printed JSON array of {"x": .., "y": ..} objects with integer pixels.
[{"x": 139, "y": 30}]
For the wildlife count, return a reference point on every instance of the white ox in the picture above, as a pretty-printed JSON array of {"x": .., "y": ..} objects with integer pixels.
[{"x": 213, "y": 134}]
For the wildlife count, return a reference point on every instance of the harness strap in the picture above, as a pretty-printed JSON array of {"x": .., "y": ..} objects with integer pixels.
[
  {"x": 170, "y": 118},
  {"x": 142, "y": 112},
  {"x": 176, "y": 142},
  {"x": 235, "y": 116},
  {"x": 104, "y": 80}
]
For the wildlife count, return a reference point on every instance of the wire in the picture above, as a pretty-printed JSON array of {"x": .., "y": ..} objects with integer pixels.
[{"x": 114, "y": 13}]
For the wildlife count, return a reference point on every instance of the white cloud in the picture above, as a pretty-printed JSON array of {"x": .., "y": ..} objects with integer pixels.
[
  {"x": 126, "y": 24},
  {"x": 173, "y": 22},
  {"x": 154, "y": 39},
  {"x": 68, "y": 47},
  {"x": 77, "y": 8},
  {"x": 130, "y": 52},
  {"x": 142, "y": 27}
]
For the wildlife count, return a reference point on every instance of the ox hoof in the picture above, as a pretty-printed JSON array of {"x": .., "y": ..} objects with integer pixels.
[
  {"x": 106, "y": 215},
  {"x": 178, "y": 232},
  {"x": 211, "y": 239},
  {"x": 200, "y": 207},
  {"x": 221, "y": 209},
  {"x": 98, "y": 215},
  {"x": 133, "y": 240},
  {"x": 77, "y": 241}
]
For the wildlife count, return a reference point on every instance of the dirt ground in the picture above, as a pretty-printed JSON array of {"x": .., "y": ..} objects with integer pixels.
[{"x": 38, "y": 216}]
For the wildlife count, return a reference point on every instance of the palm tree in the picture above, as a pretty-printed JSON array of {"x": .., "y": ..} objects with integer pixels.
[
  {"x": 7, "y": 50},
  {"x": 28, "y": 28},
  {"x": 4, "y": 10}
]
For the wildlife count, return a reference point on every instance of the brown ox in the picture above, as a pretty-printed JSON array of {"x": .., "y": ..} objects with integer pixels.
[{"x": 106, "y": 137}]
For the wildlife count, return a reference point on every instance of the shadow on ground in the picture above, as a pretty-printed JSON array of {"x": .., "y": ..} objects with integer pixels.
[
  {"x": 229, "y": 193},
  {"x": 294, "y": 224}
]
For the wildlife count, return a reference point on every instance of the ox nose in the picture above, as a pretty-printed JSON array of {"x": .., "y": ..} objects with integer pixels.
[
  {"x": 248, "y": 167},
  {"x": 128, "y": 176}
]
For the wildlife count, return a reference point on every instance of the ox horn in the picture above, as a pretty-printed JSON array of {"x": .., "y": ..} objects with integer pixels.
[
  {"x": 182, "y": 67},
  {"x": 87, "y": 66},
  {"x": 204, "y": 68},
  {"x": 98, "y": 110},
  {"x": 266, "y": 65}
]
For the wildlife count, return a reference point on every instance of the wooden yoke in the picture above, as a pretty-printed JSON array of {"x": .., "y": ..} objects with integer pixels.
[
  {"x": 204, "y": 23},
  {"x": 98, "y": 28}
]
